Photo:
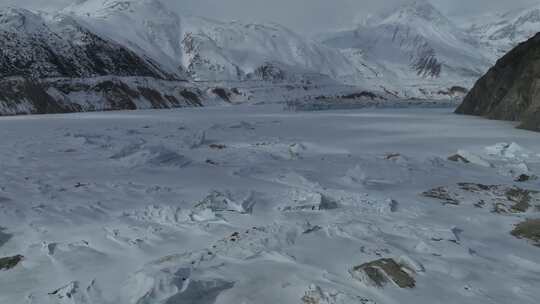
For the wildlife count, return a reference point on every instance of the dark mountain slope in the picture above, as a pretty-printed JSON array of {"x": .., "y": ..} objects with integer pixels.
[
  {"x": 40, "y": 47},
  {"x": 55, "y": 64},
  {"x": 511, "y": 89}
]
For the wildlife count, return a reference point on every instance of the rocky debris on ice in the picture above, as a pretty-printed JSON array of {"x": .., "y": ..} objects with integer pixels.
[
  {"x": 397, "y": 158},
  {"x": 309, "y": 228},
  {"x": 458, "y": 159},
  {"x": 529, "y": 229},
  {"x": 505, "y": 199},
  {"x": 7, "y": 263},
  {"x": 525, "y": 178},
  {"x": 521, "y": 198},
  {"x": 217, "y": 146},
  {"x": 442, "y": 193},
  {"x": 383, "y": 271}
]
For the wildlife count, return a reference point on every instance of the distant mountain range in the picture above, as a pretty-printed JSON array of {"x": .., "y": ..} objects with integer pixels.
[{"x": 110, "y": 54}]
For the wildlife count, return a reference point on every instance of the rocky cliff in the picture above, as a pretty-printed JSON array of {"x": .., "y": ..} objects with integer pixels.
[{"x": 511, "y": 89}]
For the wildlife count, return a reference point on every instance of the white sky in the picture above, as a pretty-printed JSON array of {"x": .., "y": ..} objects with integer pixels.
[{"x": 309, "y": 16}]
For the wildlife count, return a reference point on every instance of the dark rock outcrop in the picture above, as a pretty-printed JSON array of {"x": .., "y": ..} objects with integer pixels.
[
  {"x": 511, "y": 89},
  {"x": 65, "y": 95},
  {"x": 529, "y": 229},
  {"x": 8, "y": 263},
  {"x": 381, "y": 272}
]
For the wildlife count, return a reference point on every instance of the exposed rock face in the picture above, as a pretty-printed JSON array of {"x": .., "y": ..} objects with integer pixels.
[
  {"x": 10, "y": 262},
  {"x": 529, "y": 229},
  {"x": 65, "y": 95},
  {"x": 381, "y": 272},
  {"x": 505, "y": 199},
  {"x": 511, "y": 89}
]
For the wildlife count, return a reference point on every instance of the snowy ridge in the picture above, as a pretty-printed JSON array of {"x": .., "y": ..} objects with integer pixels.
[
  {"x": 238, "y": 50},
  {"x": 509, "y": 29}
]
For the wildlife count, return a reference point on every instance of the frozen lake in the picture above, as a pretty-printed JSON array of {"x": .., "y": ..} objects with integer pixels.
[{"x": 254, "y": 204}]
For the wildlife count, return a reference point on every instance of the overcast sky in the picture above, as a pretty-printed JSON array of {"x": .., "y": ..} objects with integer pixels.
[{"x": 308, "y": 16}]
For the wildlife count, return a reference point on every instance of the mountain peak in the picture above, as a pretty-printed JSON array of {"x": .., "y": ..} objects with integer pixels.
[{"x": 420, "y": 10}]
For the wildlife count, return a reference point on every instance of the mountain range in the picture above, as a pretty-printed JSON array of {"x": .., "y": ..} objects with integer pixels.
[{"x": 110, "y": 54}]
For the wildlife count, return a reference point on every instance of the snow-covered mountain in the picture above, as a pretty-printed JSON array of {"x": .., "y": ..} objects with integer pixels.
[
  {"x": 220, "y": 50},
  {"x": 39, "y": 46},
  {"x": 55, "y": 63},
  {"x": 122, "y": 49},
  {"x": 112, "y": 55},
  {"x": 208, "y": 50},
  {"x": 413, "y": 46},
  {"x": 144, "y": 26},
  {"x": 501, "y": 32}
]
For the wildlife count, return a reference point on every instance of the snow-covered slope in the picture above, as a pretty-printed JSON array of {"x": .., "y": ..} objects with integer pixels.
[
  {"x": 218, "y": 50},
  {"x": 414, "y": 46},
  {"x": 38, "y": 46},
  {"x": 145, "y": 26},
  {"x": 207, "y": 49},
  {"x": 502, "y": 32}
]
